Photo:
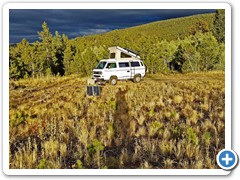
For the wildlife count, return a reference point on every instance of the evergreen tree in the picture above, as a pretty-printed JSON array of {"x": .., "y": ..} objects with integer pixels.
[
  {"x": 20, "y": 60},
  {"x": 46, "y": 52},
  {"x": 34, "y": 61},
  {"x": 58, "y": 46},
  {"x": 178, "y": 60},
  {"x": 219, "y": 25},
  {"x": 68, "y": 55}
]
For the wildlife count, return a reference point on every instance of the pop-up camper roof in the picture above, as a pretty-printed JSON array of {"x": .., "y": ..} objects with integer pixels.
[{"x": 119, "y": 53}]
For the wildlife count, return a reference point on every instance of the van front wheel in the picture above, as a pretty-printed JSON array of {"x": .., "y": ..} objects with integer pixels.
[
  {"x": 113, "y": 80},
  {"x": 137, "y": 78}
]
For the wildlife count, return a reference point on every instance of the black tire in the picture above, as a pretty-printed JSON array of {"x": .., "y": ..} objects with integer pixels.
[
  {"x": 113, "y": 80},
  {"x": 137, "y": 78}
]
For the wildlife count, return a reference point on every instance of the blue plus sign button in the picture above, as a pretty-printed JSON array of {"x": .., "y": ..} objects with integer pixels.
[{"x": 227, "y": 159}]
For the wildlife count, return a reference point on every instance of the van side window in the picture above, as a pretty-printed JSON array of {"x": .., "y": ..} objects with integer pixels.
[
  {"x": 135, "y": 64},
  {"x": 112, "y": 55},
  {"x": 141, "y": 63},
  {"x": 111, "y": 65},
  {"x": 123, "y": 64}
]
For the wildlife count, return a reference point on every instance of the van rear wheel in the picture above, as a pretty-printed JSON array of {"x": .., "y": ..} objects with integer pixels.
[
  {"x": 137, "y": 78},
  {"x": 113, "y": 80}
]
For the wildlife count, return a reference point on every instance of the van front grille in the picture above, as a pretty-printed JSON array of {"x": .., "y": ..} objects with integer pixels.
[
  {"x": 97, "y": 72},
  {"x": 95, "y": 75}
]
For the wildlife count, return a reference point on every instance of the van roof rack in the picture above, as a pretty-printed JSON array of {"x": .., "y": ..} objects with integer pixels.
[{"x": 134, "y": 52}]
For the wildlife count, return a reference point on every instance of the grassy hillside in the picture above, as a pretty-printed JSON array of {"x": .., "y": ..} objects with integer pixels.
[
  {"x": 165, "y": 121},
  {"x": 166, "y": 29}
]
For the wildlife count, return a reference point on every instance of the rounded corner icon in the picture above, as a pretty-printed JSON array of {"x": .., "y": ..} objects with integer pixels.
[
  {"x": 227, "y": 160},
  {"x": 226, "y": 173},
  {"x": 6, "y": 172},
  {"x": 228, "y": 5},
  {"x": 6, "y": 5}
]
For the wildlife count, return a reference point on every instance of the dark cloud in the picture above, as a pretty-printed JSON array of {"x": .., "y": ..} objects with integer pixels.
[{"x": 25, "y": 23}]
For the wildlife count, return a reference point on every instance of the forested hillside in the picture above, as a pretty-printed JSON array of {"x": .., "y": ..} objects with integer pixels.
[{"x": 182, "y": 44}]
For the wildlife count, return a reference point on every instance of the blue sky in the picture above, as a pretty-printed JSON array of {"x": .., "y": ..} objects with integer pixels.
[{"x": 25, "y": 23}]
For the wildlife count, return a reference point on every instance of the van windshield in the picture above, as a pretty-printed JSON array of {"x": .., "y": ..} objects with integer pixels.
[{"x": 101, "y": 65}]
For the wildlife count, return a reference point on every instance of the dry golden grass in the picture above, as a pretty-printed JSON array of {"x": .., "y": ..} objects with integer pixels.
[{"x": 165, "y": 121}]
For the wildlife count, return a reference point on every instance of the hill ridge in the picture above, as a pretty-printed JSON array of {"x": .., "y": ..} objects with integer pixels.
[{"x": 168, "y": 24}]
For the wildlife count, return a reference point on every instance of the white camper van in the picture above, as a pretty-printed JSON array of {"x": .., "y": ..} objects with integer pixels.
[{"x": 122, "y": 64}]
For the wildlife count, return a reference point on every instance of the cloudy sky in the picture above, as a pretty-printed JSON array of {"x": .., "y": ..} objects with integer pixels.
[{"x": 25, "y": 23}]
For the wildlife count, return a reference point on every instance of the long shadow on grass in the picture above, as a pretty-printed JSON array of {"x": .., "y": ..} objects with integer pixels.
[
  {"x": 121, "y": 119},
  {"x": 123, "y": 143}
]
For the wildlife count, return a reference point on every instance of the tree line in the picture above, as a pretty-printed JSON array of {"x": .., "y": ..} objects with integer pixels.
[{"x": 201, "y": 49}]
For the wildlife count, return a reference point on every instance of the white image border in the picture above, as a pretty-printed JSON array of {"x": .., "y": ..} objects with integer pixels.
[{"x": 159, "y": 6}]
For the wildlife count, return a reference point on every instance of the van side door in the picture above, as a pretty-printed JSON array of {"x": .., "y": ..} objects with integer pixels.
[{"x": 124, "y": 70}]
